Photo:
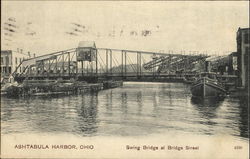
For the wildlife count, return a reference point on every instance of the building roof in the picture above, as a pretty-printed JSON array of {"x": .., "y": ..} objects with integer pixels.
[
  {"x": 234, "y": 54},
  {"x": 6, "y": 51},
  {"x": 243, "y": 29},
  {"x": 88, "y": 44}
]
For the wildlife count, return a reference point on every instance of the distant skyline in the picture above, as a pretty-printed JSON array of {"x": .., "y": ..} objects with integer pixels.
[{"x": 44, "y": 27}]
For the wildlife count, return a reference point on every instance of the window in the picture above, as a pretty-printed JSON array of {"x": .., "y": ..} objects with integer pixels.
[
  {"x": 2, "y": 60},
  {"x": 7, "y": 60},
  {"x": 246, "y": 60},
  {"x": 4, "y": 69},
  {"x": 246, "y": 38},
  {"x": 16, "y": 60},
  {"x": 9, "y": 69}
]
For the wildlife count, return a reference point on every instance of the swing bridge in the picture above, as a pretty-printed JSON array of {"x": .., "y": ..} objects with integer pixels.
[{"x": 91, "y": 64}]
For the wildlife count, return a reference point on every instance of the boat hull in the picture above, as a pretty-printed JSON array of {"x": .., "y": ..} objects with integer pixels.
[{"x": 206, "y": 88}]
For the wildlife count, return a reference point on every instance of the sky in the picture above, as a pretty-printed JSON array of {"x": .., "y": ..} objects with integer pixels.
[{"x": 45, "y": 27}]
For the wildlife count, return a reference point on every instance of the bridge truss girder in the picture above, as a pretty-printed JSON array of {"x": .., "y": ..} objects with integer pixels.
[
  {"x": 107, "y": 63},
  {"x": 172, "y": 64}
]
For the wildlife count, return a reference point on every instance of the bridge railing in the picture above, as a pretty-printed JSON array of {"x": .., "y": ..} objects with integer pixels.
[{"x": 103, "y": 75}]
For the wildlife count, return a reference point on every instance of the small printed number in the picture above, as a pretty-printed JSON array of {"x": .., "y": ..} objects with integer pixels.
[{"x": 237, "y": 147}]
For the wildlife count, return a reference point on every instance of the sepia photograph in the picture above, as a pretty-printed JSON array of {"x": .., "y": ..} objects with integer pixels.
[{"x": 125, "y": 79}]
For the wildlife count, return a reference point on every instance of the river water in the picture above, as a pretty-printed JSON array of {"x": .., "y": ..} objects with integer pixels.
[{"x": 136, "y": 109}]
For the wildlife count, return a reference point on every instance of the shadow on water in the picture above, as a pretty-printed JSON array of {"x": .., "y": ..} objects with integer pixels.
[
  {"x": 244, "y": 123},
  {"x": 207, "y": 107}
]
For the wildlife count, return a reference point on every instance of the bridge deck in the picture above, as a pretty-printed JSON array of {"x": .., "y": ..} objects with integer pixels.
[{"x": 109, "y": 64}]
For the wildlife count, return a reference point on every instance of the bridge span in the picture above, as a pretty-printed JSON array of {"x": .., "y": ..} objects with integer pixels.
[{"x": 89, "y": 63}]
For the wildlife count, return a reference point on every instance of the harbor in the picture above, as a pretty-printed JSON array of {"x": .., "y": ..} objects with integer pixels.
[
  {"x": 88, "y": 67},
  {"x": 125, "y": 79},
  {"x": 135, "y": 109}
]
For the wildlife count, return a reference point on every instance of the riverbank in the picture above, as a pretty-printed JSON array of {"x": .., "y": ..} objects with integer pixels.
[{"x": 55, "y": 87}]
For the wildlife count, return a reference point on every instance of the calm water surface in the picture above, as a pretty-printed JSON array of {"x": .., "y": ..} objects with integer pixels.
[{"x": 136, "y": 109}]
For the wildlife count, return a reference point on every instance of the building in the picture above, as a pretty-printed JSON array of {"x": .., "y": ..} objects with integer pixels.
[
  {"x": 226, "y": 65},
  {"x": 86, "y": 51},
  {"x": 10, "y": 60},
  {"x": 243, "y": 50},
  {"x": 6, "y": 63}
]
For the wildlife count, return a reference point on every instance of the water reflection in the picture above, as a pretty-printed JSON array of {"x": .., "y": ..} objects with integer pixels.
[
  {"x": 208, "y": 101},
  {"x": 207, "y": 109},
  {"x": 87, "y": 122},
  {"x": 155, "y": 104},
  {"x": 109, "y": 103},
  {"x": 133, "y": 110},
  {"x": 244, "y": 116},
  {"x": 139, "y": 102},
  {"x": 124, "y": 103}
]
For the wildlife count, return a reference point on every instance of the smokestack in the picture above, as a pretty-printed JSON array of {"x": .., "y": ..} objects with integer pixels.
[
  {"x": 34, "y": 55},
  {"x": 207, "y": 66}
]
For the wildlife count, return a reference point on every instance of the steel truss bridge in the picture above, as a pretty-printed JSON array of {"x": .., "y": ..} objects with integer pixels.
[{"x": 109, "y": 64}]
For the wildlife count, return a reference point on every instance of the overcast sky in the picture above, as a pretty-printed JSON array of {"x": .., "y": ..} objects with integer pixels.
[{"x": 151, "y": 26}]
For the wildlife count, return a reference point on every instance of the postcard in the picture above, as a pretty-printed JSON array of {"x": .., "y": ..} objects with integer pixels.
[{"x": 125, "y": 79}]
